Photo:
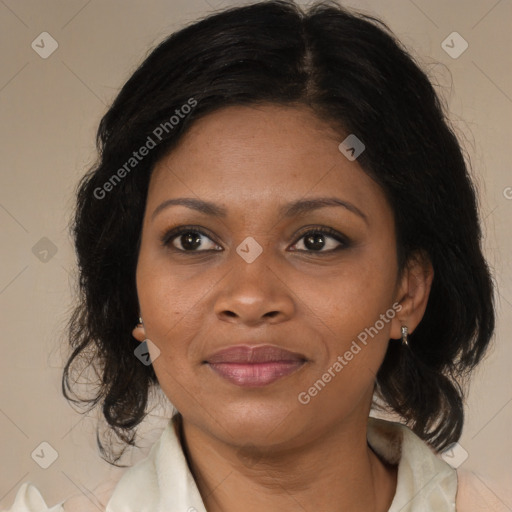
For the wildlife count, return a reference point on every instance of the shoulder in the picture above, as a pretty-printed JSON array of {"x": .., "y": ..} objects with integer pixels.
[
  {"x": 96, "y": 500},
  {"x": 473, "y": 495},
  {"x": 29, "y": 499},
  {"x": 423, "y": 469},
  {"x": 424, "y": 481},
  {"x": 130, "y": 489}
]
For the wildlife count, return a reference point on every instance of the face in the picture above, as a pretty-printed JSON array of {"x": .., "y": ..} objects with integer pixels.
[{"x": 252, "y": 269}]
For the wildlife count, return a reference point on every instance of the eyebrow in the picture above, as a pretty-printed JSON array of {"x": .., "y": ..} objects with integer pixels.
[{"x": 288, "y": 210}]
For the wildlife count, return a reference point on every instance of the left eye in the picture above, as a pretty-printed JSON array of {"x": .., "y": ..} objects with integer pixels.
[{"x": 316, "y": 240}]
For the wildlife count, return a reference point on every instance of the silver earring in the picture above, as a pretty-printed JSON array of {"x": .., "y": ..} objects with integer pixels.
[
  {"x": 140, "y": 320},
  {"x": 405, "y": 335}
]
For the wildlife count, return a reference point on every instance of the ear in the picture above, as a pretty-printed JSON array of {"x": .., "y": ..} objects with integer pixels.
[
  {"x": 412, "y": 294},
  {"x": 139, "y": 333}
]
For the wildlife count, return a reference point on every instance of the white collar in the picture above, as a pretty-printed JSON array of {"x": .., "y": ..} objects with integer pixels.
[
  {"x": 424, "y": 481},
  {"x": 162, "y": 482}
]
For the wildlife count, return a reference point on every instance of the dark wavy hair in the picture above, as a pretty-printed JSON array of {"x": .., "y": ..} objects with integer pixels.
[{"x": 353, "y": 73}]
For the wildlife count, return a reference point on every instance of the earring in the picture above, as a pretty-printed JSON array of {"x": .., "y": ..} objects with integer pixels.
[
  {"x": 140, "y": 321},
  {"x": 405, "y": 335}
]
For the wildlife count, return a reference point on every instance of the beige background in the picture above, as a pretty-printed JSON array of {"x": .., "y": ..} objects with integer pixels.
[{"x": 49, "y": 111}]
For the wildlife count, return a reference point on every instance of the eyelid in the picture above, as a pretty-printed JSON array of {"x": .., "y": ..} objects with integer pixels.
[
  {"x": 323, "y": 230},
  {"x": 172, "y": 233}
]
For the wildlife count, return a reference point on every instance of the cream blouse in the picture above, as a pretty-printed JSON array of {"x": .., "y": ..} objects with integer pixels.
[{"x": 162, "y": 482}]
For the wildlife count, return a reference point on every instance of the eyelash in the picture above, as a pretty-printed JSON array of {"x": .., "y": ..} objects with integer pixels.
[{"x": 169, "y": 236}]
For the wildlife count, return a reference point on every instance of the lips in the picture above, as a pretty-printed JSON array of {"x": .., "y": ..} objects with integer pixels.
[{"x": 254, "y": 366}]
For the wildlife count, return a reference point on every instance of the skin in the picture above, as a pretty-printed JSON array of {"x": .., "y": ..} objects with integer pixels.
[{"x": 261, "y": 446}]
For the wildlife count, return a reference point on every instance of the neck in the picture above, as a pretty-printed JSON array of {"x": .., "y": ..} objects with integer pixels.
[{"x": 337, "y": 471}]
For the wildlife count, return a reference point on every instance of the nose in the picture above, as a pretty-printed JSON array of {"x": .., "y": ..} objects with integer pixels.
[{"x": 254, "y": 293}]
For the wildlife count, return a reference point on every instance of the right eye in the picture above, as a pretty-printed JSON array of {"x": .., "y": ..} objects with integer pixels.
[{"x": 189, "y": 239}]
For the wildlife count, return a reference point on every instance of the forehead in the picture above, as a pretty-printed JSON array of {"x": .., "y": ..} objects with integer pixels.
[{"x": 249, "y": 156}]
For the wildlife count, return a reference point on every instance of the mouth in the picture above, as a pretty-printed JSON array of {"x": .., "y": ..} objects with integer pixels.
[{"x": 254, "y": 366}]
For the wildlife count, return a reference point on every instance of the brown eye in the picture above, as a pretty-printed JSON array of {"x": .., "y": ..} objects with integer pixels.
[
  {"x": 189, "y": 240},
  {"x": 321, "y": 240}
]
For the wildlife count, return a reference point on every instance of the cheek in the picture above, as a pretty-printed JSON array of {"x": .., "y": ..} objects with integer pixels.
[
  {"x": 348, "y": 309},
  {"x": 171, "y": 315},
  {"x": 355, "y": 294},
  {"x": 355, "y": 337},
  {"x": 175, "y": 304},
  {"x": 171, "y": 312},
  {"x": 167, "y": 293}
]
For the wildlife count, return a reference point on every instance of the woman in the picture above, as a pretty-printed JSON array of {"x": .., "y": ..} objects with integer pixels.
[{"x": 282, "y": 223}]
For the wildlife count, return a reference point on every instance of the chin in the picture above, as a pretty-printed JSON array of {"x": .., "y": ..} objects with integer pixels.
[{"x": 255, "y": 422}]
